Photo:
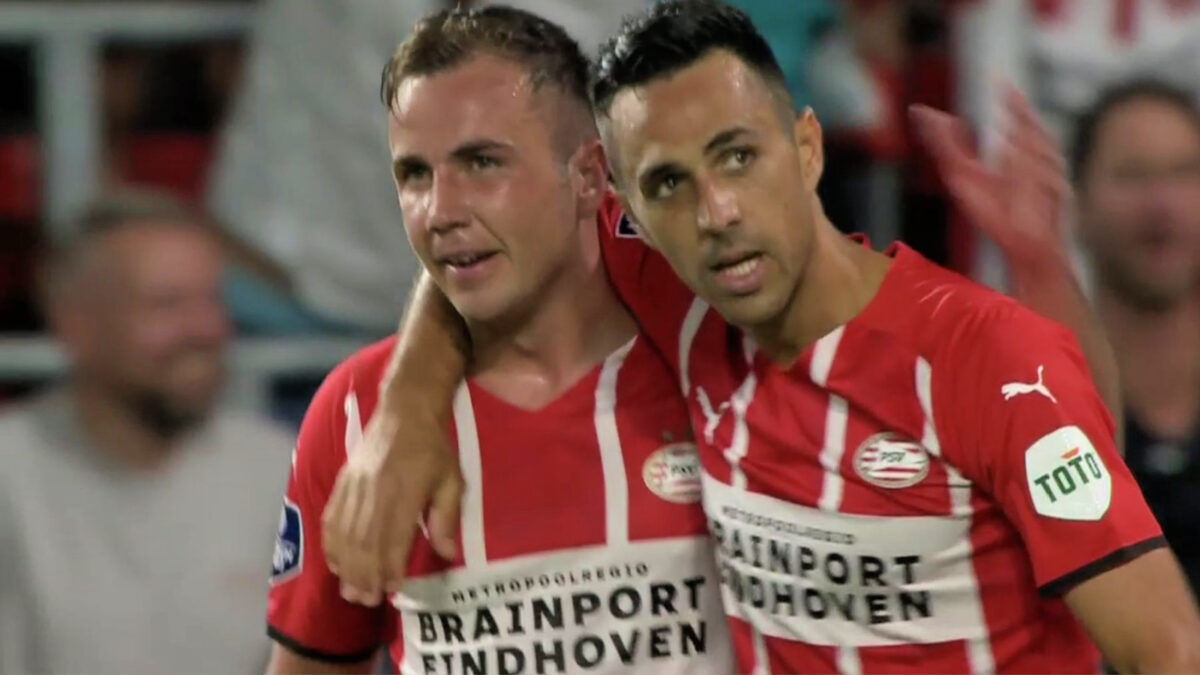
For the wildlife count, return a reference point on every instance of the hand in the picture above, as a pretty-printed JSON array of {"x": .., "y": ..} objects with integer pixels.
[
  {"x": 1023, "y": 202},
  {"x": 402, "y": 464}
]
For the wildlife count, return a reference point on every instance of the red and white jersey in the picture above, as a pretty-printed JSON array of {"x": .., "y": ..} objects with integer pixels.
[
  {"x": 583, "y": 544},
  {"x": 915, "y": 493}
]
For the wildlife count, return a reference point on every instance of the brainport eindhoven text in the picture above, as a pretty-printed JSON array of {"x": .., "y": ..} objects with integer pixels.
[{"x": 614, "y": 615}]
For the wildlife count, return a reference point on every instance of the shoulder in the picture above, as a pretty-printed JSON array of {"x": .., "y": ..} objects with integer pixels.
[
  {"x": 367, "y": 365},
  {"x": 339, "y": 408},
  {"x": 20, "y": 447},
  {"x": 359, "y": 374},
  {"x": 948, "y": 317}
]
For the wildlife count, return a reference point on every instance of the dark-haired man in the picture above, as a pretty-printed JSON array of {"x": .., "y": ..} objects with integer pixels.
[
  {"x": 902, "y": 470},
  {"x": 583, "y": 543},
  {"x": 1136, "y": 163}
]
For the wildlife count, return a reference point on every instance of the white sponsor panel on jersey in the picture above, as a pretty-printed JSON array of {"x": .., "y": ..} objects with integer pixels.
[
  {"x": 1066, "y": 477},
  {"x": 647, "y": 607},
  {"x": 838, "y": 579}
]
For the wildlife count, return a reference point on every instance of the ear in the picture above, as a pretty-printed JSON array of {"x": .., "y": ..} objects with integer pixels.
[
  {"x": 589, "y": 173},
  {"x": 807, "y": 132}
]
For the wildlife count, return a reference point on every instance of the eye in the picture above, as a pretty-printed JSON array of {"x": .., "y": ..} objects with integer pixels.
[
  {"x": 482, "y": 162},
  {"x": 412, "y": 172},
  {"x": 738, "y": 158},
  {"x": 665, "y": 187}
]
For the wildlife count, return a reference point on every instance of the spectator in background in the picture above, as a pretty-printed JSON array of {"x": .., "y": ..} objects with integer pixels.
[
  {"x": 136, "y": 518},
  {"x": 1136, "y": 162},
  {"x": 1062, "y": 53},
  {"x": 299, "y": 173}
]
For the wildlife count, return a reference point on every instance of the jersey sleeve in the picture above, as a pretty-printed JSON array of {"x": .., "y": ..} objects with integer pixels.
[
  {"x": 305, "y": 611},
  {"x": 644, "y": 281},
  {"x": 1025, "y": 423}
]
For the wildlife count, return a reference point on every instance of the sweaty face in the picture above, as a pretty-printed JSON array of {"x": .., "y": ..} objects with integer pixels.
[
  {"x": 719, "y": 183},
  {"x": 485, "y": 194},
  {"x": 1140, "y": 204},
  {"x": 151, "y": 325}
]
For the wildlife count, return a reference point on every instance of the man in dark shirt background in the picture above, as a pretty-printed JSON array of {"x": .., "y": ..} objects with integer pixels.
[{"x": 1136, "y": 164}]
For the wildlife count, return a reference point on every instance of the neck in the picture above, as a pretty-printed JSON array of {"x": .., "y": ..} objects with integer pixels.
[
  {"x": 838, "y": 280},
  {"x": 114, "y": 430},
  {"x": 1158, "y": 355},
  {"x": 532, "y": 357}
]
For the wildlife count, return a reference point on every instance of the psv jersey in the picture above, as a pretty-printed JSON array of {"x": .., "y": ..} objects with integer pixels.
[
  {"x": 915, "y": 494},
  {"x": 583, "y": 544}
]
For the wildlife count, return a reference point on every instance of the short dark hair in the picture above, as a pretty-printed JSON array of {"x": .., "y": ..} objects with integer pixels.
[
  {"x": 444, "y": 39},
  {"x": 672, "y": 35},
  {"x": 1088, "y": 123}
]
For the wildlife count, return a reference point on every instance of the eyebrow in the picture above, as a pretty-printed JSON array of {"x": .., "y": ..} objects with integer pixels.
[
  {"x": 464, "y": 151},
  {"x": 724, "y": 138},
  {"x": 720, "y": 140},
  {"x": 472, "y": 148}
]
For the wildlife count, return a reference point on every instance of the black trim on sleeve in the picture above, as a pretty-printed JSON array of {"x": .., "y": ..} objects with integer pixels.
[
  {"x": 1113, "y": 560},
  {"x": 316, "y": 654}
]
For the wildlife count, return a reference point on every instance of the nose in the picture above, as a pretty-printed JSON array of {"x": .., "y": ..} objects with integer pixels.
[
  {"x": 210, "y": 320},
  {"x": 719, "y": 209},
  {"x": 446, "y": 208}
]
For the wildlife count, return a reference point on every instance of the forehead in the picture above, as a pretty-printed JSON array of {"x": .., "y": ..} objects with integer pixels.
[
  {"x": 685, "y": 109},
  {"x": 482, "y": 96},
  {"x": 1148, "y": 127},
  {"x": 156, "y": 252}
]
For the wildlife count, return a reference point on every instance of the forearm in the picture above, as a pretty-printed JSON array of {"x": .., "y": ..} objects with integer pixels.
[
  {"x": 430, "y": 358},
  {"x": 1049, "y": 288}
]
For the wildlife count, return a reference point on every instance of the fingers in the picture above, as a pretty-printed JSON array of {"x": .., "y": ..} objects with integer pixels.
[
  {"x": 342, "y": 541},
  {"x": 444, "y": 515},
  {"x": 943, "y": 136},
  {"x": 332, "y": 518},
  {"x": 400, "y": 534},
  {"x": 364, "y": 573},
  {"x": 1034, "y": 157}
]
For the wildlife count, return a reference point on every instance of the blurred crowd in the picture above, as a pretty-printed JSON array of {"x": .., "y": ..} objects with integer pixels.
[{"x": 244, "y": 190}]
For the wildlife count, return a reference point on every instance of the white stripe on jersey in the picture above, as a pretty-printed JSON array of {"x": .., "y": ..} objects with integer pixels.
[
  {"x": 762, "y": 662},
  {"x": 979, "y": 650},
  {"x": 836, "y": 418},
  {"x": 612, "y": 459},
  {"x": 833, "y": 448},
  {"x": 823, "y": 354},
  {"x": 354, "y": 427},
  {"x": 848, "y": 662},
  {"x": 687, "y": 334},
  {"x": 474, "y": 544},
  {"x": 740, "y": 402}
]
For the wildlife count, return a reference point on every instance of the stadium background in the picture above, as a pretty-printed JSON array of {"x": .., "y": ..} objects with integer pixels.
[{"x": 101, "y": 95}]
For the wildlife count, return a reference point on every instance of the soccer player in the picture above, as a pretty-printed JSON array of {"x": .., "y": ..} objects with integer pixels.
[
  {"x": 583, "y": 545},
  {"x": 903, "y": 471}
]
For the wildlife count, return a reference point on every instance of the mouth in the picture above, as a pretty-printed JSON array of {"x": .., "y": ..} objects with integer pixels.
[
  {"x": 737, "y": 266},
  {"x": 465, "y": 261},
  {"x": 741, "y": 274}
]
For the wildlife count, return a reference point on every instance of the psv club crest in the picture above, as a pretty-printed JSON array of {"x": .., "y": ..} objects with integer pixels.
[
  {"x": 888, "y": 460},
  {"x": 673, "y": 473}
]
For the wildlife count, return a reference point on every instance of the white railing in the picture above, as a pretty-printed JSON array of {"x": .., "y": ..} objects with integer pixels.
[
  {"x": 253, "y": 362},
  {"x": 67, "y": 37}
]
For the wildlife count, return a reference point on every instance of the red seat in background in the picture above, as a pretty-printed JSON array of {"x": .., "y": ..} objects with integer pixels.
[
  {"x": 20, "y": 178},
  {"x": 172, "y": 161}
]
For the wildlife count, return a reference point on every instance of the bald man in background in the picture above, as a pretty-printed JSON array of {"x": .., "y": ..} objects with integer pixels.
[{"x": 135, "y": 514}]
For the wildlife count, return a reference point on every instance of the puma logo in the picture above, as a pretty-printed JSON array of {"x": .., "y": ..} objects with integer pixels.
[
  {"x": 1017, "y": 388},
  {"x": 712, "y": 417}
]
